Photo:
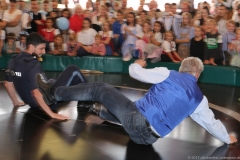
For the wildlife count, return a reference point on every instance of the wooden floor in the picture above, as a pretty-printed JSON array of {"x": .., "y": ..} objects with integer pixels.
[{"x": 28, "y": 135}]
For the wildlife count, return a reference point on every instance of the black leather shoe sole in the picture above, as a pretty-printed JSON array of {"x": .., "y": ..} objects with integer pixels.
[{"x": 44, "y": 89}]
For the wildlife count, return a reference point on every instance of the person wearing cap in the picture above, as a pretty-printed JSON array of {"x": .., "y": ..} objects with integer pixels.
[
  {"x": 12, "y": 18},
  {"x": 21, "y": 77},
  {"x": 22, "y": 4},
  {"x": 32, "y": 21}
]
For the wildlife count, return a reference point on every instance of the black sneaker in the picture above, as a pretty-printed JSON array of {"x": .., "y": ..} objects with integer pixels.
[
  {"x": 44, "y": 88},
  {"x": 95, "y": 109}
]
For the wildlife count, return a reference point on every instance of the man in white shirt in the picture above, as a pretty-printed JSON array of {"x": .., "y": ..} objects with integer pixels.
[{"x": 172, "y": 97}]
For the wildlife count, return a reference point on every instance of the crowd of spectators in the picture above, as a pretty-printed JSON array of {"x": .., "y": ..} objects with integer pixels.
[{"x": 110, "y": 28}]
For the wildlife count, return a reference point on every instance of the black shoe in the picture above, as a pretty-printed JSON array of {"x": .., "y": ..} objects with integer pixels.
[
  {"x": 95, "y": 109},
  {"x": 44, "y": 88}
]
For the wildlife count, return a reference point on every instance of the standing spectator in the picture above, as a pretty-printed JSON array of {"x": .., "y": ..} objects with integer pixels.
[
  {"x": 174, "y": 8},
  {"x": 65, "y": 33},
  {"x": 98, "y": 21},
  {"x": 226, "y": 3},
  {"x": 197, "y": 44},
  {"x": 13, "y": 16},
  {"x": 32, "y": 20},
  {"x": 49, "y": 32},
  {"x": 228, "y": 37},
  {"x": 117, "y": 35},
  {"x": 186, "y": 33},
  {"x": 55, "y": 13},
  {"x": 235, "y": 50},
  {"x": 236, "y": 16},
  {"x": 153, "y": 6},
  {"x": 213, "y": 45},
  {"x": 45, "y": 10},
  {"x": 22, "y": 4},
  {"x": 132, "y": 32},
  {"x": 86, "y": 37},
  {"x": 77, "y": 19},
  {"x": 222, "y": 18}
]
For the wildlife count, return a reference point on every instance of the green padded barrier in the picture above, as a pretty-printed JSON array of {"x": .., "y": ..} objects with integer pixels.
[
  {"x": 211, "y": 74},
  {"x": 4, "y": 60},
  {"x": 104, "y": 64}
]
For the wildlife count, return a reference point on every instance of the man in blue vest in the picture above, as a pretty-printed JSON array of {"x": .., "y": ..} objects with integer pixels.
[{"x": 173, "y": 97}]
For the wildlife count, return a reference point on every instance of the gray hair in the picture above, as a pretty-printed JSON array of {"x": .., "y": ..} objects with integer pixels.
[{"x": 191, "y": 65}]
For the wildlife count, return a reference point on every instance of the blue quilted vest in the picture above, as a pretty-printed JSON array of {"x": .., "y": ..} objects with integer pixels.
[{"x": 168, "y": 103}]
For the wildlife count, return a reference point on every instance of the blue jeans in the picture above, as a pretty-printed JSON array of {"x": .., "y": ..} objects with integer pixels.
[
  {"x": 69, "y": 77},
  {"x": 119, "y": 108}
]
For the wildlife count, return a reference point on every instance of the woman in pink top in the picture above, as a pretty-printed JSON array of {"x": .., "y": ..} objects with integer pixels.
[{"x": 98, "y": 48}]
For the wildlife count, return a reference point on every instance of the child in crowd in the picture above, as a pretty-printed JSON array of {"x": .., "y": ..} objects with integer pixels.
[
  {"x": 58, "y": 47},
  {"x": 132, "y": 32},
  {"x": 197, "y": 44},
  {"x": 106, "y": 37},
  {"x": 227, "y": 39},
  {"x": 2, "y": 39},
  {"x": 10, "y": 45},
  {"x": 87, "y": 14},
  {"x": 117, "y": 35},
  {"x": 169, "y": 48},
  {"x": 234, "y": 48},
  {"x": 21, "y": 44},
  {"x": 139, "y": 21},
  {"x": 65, "y": 33},
  {"x": 72, "y": 46},
  {"x": 112, "y": 20},
  {"x": 98, "y": 48},
  {"x": 49, "y": 32},
  {"x": 86, "y": 37},
  {"x": 197, "y": 18},
  {"x": 98, "y": 20},
  {"x": 213, "y": 45},
  {"x": 151, "y": 49},
  {"x": 186, "y": 33}
]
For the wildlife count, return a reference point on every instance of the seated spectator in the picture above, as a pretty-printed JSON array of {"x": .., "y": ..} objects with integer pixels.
[
  {"x": 13, "y": 17},
  {"x": 10, "y": 45},
  {"x": 152, "y": 49},
  {"x": 98, "y": 48},
  {"x": 21, "y": 44},
  {"x": 2, "y": 39},
  {"x": 72, "y": 46},
  {"x": 235, "y": 50},
  {"x": 58, "y": 47},
  {"x": 117, "y": 35},
  {"x": 106, "y": 38},
  {"x": 197, "y": 44},
  {"x": 213, "y": 42},
  {"x": 49, "y": 32},
  {"x": 186, "y": 33},
  {"x": 77, "y": 19},
  {"x": 132, "y": 32},
  {"x": 169, "y": 49},
  {"x": 86, "y": 37},
  {"x": 228, "y": 37}
]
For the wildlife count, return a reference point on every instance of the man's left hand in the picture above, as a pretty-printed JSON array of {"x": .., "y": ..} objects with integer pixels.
[{"x": 141, "y": 62}]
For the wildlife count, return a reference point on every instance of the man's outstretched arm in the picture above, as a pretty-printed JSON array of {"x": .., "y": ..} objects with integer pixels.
[
  {"x": 205, "y": 117},
  {"x": 39, "y": 97},
  {"x": 153, "y": 76},
  {"x": 12, "y": 94}
]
